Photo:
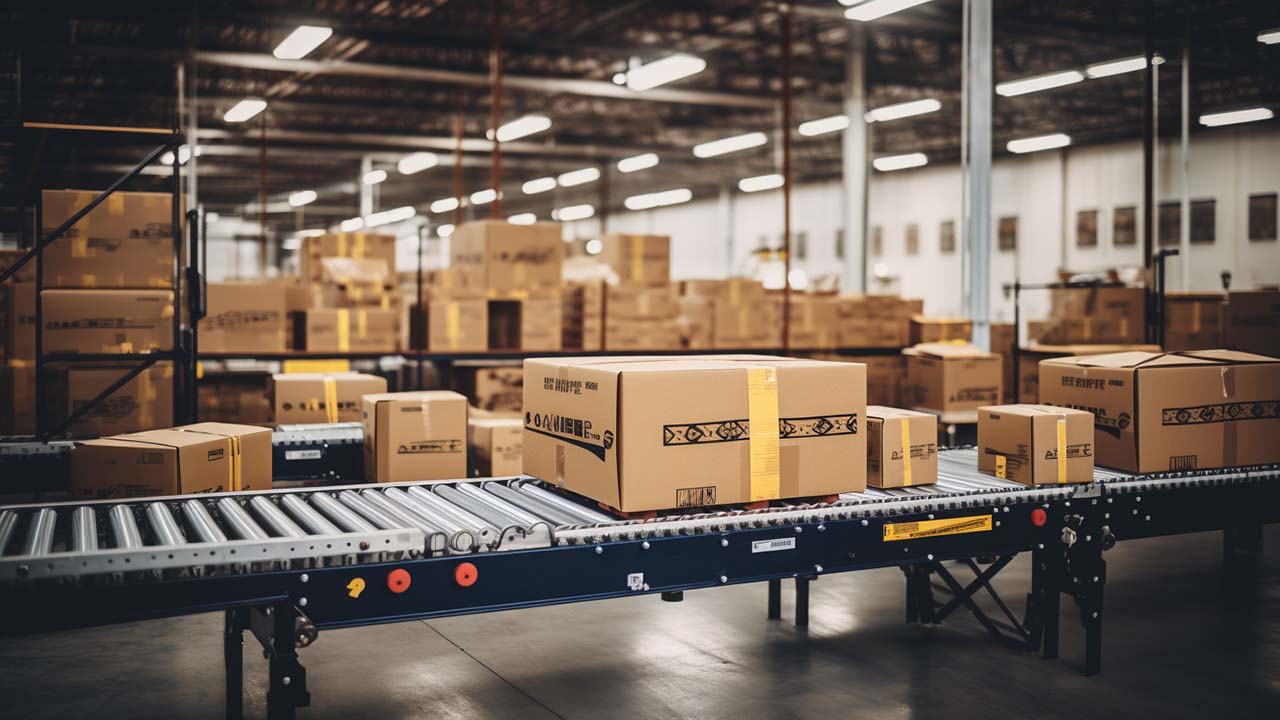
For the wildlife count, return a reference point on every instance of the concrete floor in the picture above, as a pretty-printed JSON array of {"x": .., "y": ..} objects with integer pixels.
[{"x": 1177, "y": 644}]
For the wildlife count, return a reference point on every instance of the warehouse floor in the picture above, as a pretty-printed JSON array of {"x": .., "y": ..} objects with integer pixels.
[{"x": 1177, "y": 644}]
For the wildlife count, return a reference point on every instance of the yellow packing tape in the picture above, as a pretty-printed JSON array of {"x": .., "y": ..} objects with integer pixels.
[
  {"x": 906, "y": 452},
  {"x": 384, "y": 301},
  {"x": 315, "y": 366},
  {"x": 362, "y": 323},
  {"x": 452, "y": 323},
  {"x": 358, "y": 250},
  {"x": 342, "y": 246},
  {"x": 762, "y": 439},
  {"x": 637, "y": 258},
  {"x": 80, "y": 246},
  {"x": 344, "y": 329},
  {"x": 1001, "y": 463},
  {"x": 1062, "y": 449},
  {"x": 331, "y": 400},
  {"x": 233, "y": 467}
]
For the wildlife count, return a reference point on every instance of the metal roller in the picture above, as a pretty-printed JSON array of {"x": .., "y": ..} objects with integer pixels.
[
  {"x": 307, "y": 516},
  {"x": 460, "y": 538},
  {"x": 375, "y": 515},
  {"x": 347, "y": 520},
  {"x": 437, "y": 539},
  {"x": 239, "y": 521},
  {"x": 8, "y": 522},
  {"x": 39, "y": 540},
  {"x": 84, "y": 530},
  {"x": 486, "y": 534},
  {"x": 124, "y": 528},
  {"x": 164, "y": 525},
  {"x": 202, "y": 522},
  {"x": 271, "y": 515},
  {"x": 491, "y": 512},
  {"x": 532, "y": 504},
  {"x": 521, "y": 516},
  {"x": 586, "y": 514}
]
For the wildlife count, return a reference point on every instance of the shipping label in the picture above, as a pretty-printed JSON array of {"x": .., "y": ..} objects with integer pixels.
[{"x": 431, "y": 447}]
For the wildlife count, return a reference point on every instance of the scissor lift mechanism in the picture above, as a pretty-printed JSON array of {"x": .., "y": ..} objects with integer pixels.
[{"x": 286, "y": 564}]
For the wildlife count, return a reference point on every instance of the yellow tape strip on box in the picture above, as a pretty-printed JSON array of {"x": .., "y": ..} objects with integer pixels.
[{"x": 762, "y": 417}]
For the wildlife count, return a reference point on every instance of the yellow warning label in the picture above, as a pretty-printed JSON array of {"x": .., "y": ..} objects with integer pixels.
[
  {"x": 355, "y": 587},
  {"x": 309, "y": 365},
  {"x": 762, "y": 414},
  {"x": 936, "y": 528},
  {"x": 1001, "y": 463}
]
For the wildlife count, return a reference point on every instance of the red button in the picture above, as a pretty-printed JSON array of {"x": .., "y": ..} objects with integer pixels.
[
  {"x": 1039, "y": 517},
  {"x": 465, "y": 574},
  {"x": 398, "y": 580}
]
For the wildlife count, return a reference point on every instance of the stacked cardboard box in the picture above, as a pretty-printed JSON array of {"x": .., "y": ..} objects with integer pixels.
[
  {"x": 247, "y": 317},
  {"x": 939, "y": 329},
  {"x": 874, "y": 321},
  {"x": 813, "y": 324},
  {"x": 638, "y": 260},
  {"x": 697, "y": 323},
  {"x": 357, "y": 246},
  {"x": 1194, "y": 321},
  {"x": 1253, "y": 321},
  {"x": 352, "y": 303},
  {"x": 743, "y": 315},
  {"x": 952, "y": 380},
  {"x": 1096, "y": 315},
  {"x": 126, "y": 242},
  {"x": 641, "y": 318},
  {"x": 490, "y": 386},
  {"x": 582, "y": 315}
]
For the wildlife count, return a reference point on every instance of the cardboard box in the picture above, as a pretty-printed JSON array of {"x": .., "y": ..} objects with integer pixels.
[
  {"x": 235, "y": 397},
  {"x": 940, "y": 329},
  {"x": 953, "y": 380},
  {"x": 1036, "y": 444},
  {"x": 107, "y": 321},
  {"x": 367, "y": 330},
  {"x": 696, "y": 323},
  {"x": 250, "y": 452},
  {"x": 1002, "y": 343},
  {"x": 642, "y": 434},
  {"x": 1194, "y": 321},
  {"x": 18, "y": 398},
  {"x": 28, "y": 271},
  {"x": 321, "y": 398},
  {"x": 415, "y": 436},
  {"x": 246, "y": 317},
  {"x": 155, "y": 462},
  {"x": 20, "y": 326},
  {"x": 752, "y": 324},
  {"x": 886, "y": 375},
  {"x": 496, "y": 445},
  {"x": 126, "y": 242},
  {"x": 1157, "y": 412},
  {"x": 490, "y": 386},
  {"x": 359, "y": 245},
  {"x": 813, "y": 324},
  {"x": 872, "y": 321},
  {"x": 1253, "y": 321},
  {"x": 496, "y": 256},
  {"x": 453, "y": 323},
  {"x": 1030, "y": 356},
  {"x": 144, "y": 403},
  {"x": 902, "y": 447},
  {"x": 529, "y": 324},
  {"x": 638, "y": 259},
  {"x": 582, "y": 315},
  {"x": 1096, "y": 315},
  {"x": 735, "y": 289}
]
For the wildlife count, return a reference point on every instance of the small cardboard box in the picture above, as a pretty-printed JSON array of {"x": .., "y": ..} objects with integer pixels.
[
  {"x": 369, "y": 330},
  {"x": 107, "y": 321},
  {"x": 413, "y": 436},
  {"x": 902, "y": 447},
  {"x": 358, "y": 245},
  {"x": 496, "y": 445},
  {"x": 496, "y": 256},
  {"x": 1157, "y": 412},
  {"x": 953, "y": 380},
  {"x": 250, "y": 452},
  {"x": 490, "y": 385},
  {"x": 246, "y": 317},
  {"x": 941, "y": 329},
  {"x": 126, "y": 242},
  {"x": 1253, "y": 321},
  {"x": 144, "y": 403},
  {"x": 641, "y": 260},
  {"x": 155, "y": 462},
  {"x": 1036, "y": 444},
  {"x": 646, "y": 433},
  {"x": 321, "y": 398}
]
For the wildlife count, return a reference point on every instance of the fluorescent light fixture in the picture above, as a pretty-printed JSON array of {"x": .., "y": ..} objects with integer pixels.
[
  {"x": 1040, "y": 142},
  {"x": 899, "y": 162},
  {"x": 302, "y": 41},
  {"x": 578, "y": 177},
  {"x": 574, "y": 212},
  {"x": 213, "y": 217},
  {"x": 661, "y": 72},
  {"x": 351, "y": 224},
  {"x": 373, "y": 177},
  {"x": 302, "y": 197},
  {"x": 444, "y": 205},
  {"x": 729, "y": 144},
  {"x": 658, "y": 199},
  {"x": 637, "y": 162},
  {"x": 484, "y": 197},
  {"x": 1116, "y": 67},
  {"x": 539, "y": 185},
  {"x": 244, "y": 110},
  {"x": 594, "y": 246},
  {"x": 1236, "y": 116},
  {"x": 760, "y": 182},
  {"x": 822, "y": 126},
  {"x": 620, "y": 78},
  {"x": 875, "y": 9},
  {"x": 902, "y": 110},
  {"x": 1269, "y": 37},
  {"x": 523, "y": 219},
  {"x": 1038, "y": 83},
  {"x": 445, "y": 230},
  {"x": 386, "y": 217},
  {"x": 521, "y": 127},
  {"x": 310, "y": 233},
  {"x": 417, "y": 162}
]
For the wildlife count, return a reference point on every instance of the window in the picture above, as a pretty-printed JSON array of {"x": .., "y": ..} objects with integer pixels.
[
  {"x": 877, "y": 240},
  {"x": 1087, "y": 228},
  {"x": 1008, "y": 237},
  {"x": 1124, "y": 226},
  {"x": 839, "y": 243},
  {"x": 913, "y": 239},
  {"x": 1262, "y": 217},
  {"x": 947, "y": 236},
  {"x": 1169, "y": 223},
  {"x": 1203, "y": 221}
]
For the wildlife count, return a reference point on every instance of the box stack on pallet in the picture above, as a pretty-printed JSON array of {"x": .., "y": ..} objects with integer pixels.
[{"x": 353, "y": 305}]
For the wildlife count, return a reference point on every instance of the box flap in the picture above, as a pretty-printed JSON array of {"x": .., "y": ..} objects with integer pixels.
[
  {"x": 166, "y": 438},
  {"x": 427, "y": 395},
  {"x": 949, "y": 350},
  {"x": 1030, "y": 410},
  {"x": 1230, "y": 356},
  {"x": 892, "y": 413},
  {"x": 1087, "y": 349}
]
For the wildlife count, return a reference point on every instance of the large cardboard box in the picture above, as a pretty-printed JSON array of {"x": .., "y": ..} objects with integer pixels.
[
  {"x": 413, "y": 436},
  {"x": 638, "y": 259},
  {"x": 490, "y": 385},
  {"x": 358, "y": 245},
  {"x": 1096, "y": 315},
  {"x": 530, "y": 323},
  {"x": 496, "y": 445},
  {"x": 246, "y": 317},
  {"x": 902, "y": 447},
  {"x": 1036, "y": 444},
  {"x": 1157, "y": 412},
  {"x": 496, "y": 256},
  {"x": 155, "y": 462},
  {"x": 126, "y": 242},
  {"x": 1030, "y": 356},
  {"x": 1253, "y": 321},
  {"x": 813, "y": 324},
  {"x": 1194, "y": 321},
  {"x": 368, "y": 330},
  {"x": 250, "y": 448},
  {"x": 952, "y": 380},
  {"x": 320, "y": 397},
  {"x": 645, "y": 433},
  {"x": 107, "y": 321},
  {"x": 144, "y": 403},
  {"x": 28, "y": 271},
  {"x": 941, "y": 329}
]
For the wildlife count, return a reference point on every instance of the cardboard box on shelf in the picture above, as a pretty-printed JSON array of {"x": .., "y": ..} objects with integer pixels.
[
  {"x": 238, "y": 397},
  {"x": 648, "y": 302},
  {"x": 1253, "y": 321},
  {"x": 641, "y": 318},
  {"x": 354, "y": 283},
  {"x": 642, "y": 434},
  {"x": 952, "y": 380},
  {"x": 530, "y": 323},
  {"x": 749, "y": 324},
  {"x": 496, "y": 445},
  {"x": 320, "y": 397},
  {"x": 415, "y": 436},
  {"x": 20, "y": 322},
  {"x": 1096, "y": 315},
  {"x": 902, "y": 447},
  {"x": 1036, "y": 444},
  {"x": 488, "y": 385},
  {"x": 582, "y": 315},
  {"x": 872, "y": 321},
  {"x": 452, "y": 323},
  {"x": 1194, "y": 321},
  {"x": 144, "y": 403},
  {"x": 1156, "y": 412},
  {"x": 358, "y": 245},
  {"x": 642, "y": 335},
  {"x": 28, "y": 271},
  {"x": 813, "y": 324},
  {"x": 940, "y": 329},
  {"x": 496, "y": 256},
  {"x": 246, "y": 317},
  {"x": 126, "y": 242},
  {"x": 155, "y": 462},
  {"x": 696, "y": 323},
  {"x": 1030, "y": 356},
  {"x": 106, "y": 321},
  {"x": 1002, "y": 344},
  {"x": 369, "y": 330},
  {"x": 735, "y": 290},
  {"x": 638, "y": 259},
  {"x": 250, "y": 451},
  {"x": 886, "y": 375}
]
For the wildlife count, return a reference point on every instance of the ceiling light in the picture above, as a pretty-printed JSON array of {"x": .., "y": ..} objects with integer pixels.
[
  {"x": 523, "y": 219},
  {"x": 661, "y": 72},
  {"x": 578, "y": 177},
  {"x": 444, "y": 205},
  {"x": 1269, "y": 37},
  {"x": 184, "y": 154},
  {"x": 658, "y": 199},
  {"x": 373, "y": 177},
  {"x": 302, "y": 41},
  {"x": 594, "y": 246},
  {"x": 637, "y": 162},
  {"x": 1116, "y": 67},
  {"x": 291, "y": 243},
  {"x": 386, "y": 217},
  {"x": 484, "y": 197},
  {"x": 620, "y": 78},
  {"x": 760, "y": 182},
  {"x": 825, "y": 125},
  {"x": 899, "y": 162},
  {"x": 1040, "y": 82},
  {"x": 445, "y": 230},
  {"x": 302, "y": 197},
  {"x": 902, "y": 110},
  {"x": 244, "y": 110},
  {"x": 1040, "y": 142},
  {"x": 351, "y": 224},
  {"x": 539, "y": 185},
  {"x": 310, "y": 233},
  {"x": 574, "y": 212},
  {"x": 521, "y": 127},
  {"x": 729, "y": 144},
  {"x": 873, "y": 9},
  {"x": 417, "y": 162},
  {"x": 1236, "y": 116}
]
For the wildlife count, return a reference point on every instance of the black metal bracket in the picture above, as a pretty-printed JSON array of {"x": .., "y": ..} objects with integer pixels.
[
  {"x": 922, "y": 607},
  {"x": 280, "y": 629}
]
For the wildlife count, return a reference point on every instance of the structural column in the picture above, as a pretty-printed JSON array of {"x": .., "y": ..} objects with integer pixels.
[
  {"x": 854, "y": 150},
  {"x": 977, "y": 173}
]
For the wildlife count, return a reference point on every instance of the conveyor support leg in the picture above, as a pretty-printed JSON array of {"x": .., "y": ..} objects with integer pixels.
[
  {"x": 802, "y": 602},
  {"x": 1087, "y": 573},
  {"x": 288, "y": 688},
  {"x": 233, "y": 657},
  {"x": 775, "y": 600}
]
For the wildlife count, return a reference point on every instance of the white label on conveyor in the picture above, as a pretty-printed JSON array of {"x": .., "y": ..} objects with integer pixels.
[
  {"x": 303, "y": 454},
  {"x": 787, "y": 543},
  {"x": 635, "y": 581}
]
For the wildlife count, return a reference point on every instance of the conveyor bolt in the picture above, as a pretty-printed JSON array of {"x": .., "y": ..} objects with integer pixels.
[
  {"x": 286, "y": 680},
  {"x": 304, "y": 578}
]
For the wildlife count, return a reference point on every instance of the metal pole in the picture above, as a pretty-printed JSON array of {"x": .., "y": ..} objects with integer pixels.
[
  {"x": 495, "y": 77},
  {"x": 1148, "y": 139},
  {"x": 603, "y": 200},
  {"x": 854, "y": 161},
  {"x": 787, "y": 38},
  {"x": 365, "y": 192},
  {"x": 978, "y": 178},
  {"x": 457, "y": 157},
  {"x": 262, "y": 196},
  {"x": 1184, "y": 226}
]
